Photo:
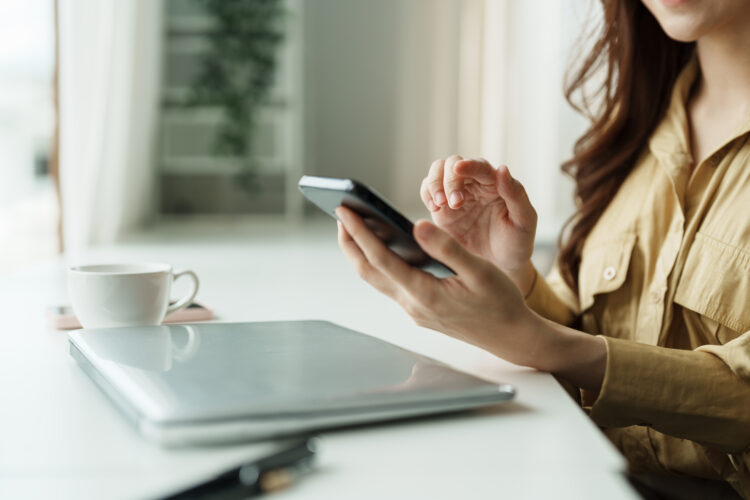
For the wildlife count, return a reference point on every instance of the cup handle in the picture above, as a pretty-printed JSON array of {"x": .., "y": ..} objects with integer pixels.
[
  {"x": 189, "y": 297},
  {"x": 187, "y": 352}
]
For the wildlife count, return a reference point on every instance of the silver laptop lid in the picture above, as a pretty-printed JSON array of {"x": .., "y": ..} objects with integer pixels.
[{"x": 204, "y": 372}]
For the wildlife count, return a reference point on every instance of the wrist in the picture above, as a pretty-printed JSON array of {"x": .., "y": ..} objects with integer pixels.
[
  {"x": 539, "y": 342},
  {"x": 578, "y": 357},
  {"x": 530, "y": 343},
  {"x": 524, "y": 277}
]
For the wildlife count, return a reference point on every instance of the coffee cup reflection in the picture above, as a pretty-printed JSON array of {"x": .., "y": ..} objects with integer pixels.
[{"x": 153, "y": 348}]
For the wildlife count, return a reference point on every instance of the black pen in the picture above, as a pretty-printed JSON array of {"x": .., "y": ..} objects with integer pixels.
[{"x": 266, "y": 474}]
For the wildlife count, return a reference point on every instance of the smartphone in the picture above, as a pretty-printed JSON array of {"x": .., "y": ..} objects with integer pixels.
[
  {"x": 395, "y": 230},
  {"x": 63, "y": 318}
]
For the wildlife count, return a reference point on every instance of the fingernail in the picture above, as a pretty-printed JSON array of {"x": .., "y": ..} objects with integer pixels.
[
  {"x": 456, "y": 198},
  {"x": 425, "y": 230},
  {"x": 431, "y": 205},
  {"x": 440, "y": 198},
  {"x": 507, "y": 171}
]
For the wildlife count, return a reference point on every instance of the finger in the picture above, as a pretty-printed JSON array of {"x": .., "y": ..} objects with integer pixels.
[
  {"x": 363, "y": 268},
  {"x": 520, "y": 210},
  {"x": 453, "y": 183},
  {"x": 441, "y": 246},
  {"x": 479, "y": 170},
  {"x": 381, "y": 257},
  {"x": 435, "y": 183},
  {"x": 424, "y": 193}
]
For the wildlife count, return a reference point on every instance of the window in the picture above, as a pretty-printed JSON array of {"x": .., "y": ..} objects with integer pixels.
[
  {"x": 369, "y": 90},
  {"x": 28, "y": 205}
]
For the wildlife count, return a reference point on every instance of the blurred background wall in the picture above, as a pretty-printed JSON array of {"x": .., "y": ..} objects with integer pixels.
[
  {"x": 392, "y": 85},
  {"x": 363, "y": 89}
]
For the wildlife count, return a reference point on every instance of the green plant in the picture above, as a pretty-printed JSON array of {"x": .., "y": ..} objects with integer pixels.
[{"x": 239, "y": 69}]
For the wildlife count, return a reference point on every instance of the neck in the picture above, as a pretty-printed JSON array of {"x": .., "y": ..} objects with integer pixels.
[{"x": 724, "y": 59}]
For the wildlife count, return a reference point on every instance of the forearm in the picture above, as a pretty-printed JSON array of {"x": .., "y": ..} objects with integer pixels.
[
  {"x": 578, "y": 357},
  {"x": 683, "y": 393},
  {"x": 688, "y": 394}
]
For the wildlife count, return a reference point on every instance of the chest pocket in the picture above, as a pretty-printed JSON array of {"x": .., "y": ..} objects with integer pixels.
[
  {"x": 715, "y": 283},
  {"x": 604, "y": 268}
]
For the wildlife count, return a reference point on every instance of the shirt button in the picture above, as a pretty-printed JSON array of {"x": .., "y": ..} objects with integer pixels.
[
  {"x": 609, "y": 273},
  {"x": 655, "y": 297}
]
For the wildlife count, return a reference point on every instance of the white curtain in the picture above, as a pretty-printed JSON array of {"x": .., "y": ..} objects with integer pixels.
[
  {"x": 526, "y": 122},
  {"x": 490, "y": 85},
  {"x": 109, "y": 81}
]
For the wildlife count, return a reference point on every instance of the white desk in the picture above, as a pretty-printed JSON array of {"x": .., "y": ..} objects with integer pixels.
[{"x": 61, "y": 438}]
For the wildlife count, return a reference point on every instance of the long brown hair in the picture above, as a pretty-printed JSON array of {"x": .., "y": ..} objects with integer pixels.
[{"x": 638, "y": 64}]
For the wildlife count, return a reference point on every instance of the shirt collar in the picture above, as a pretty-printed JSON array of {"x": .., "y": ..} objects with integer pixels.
[
  {"x": 670, "y": 142},
  {"x": 671, "y": 139}
]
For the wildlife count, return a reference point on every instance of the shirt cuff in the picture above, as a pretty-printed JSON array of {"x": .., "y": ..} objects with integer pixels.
[{"x": 678, "y": 392}]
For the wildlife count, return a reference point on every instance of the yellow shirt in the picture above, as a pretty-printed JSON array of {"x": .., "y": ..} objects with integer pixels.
[{"x": 665, "y": 279}]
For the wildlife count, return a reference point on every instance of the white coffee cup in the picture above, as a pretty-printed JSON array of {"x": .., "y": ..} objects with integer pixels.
[{"x": 108, "y": 295}]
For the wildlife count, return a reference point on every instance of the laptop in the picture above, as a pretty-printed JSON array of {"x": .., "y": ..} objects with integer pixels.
[{"x": 224, "y": 382}]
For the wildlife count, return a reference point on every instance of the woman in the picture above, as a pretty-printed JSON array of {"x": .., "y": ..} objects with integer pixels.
[{"x": 655, "y": 263}]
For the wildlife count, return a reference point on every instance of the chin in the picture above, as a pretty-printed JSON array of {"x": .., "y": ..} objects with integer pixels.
[
  {"x": 689, "y": 20},
  {"x": 681, "y": 30}
]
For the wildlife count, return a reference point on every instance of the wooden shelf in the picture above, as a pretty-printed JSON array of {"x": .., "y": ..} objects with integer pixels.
[
  {"x": 190, "y": 25},
  {"x": 187, "y": 133},
  {"x": 217, "y": 165}
]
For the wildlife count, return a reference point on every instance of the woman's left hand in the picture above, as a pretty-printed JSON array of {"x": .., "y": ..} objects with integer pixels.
[{"x": 479, "y": 305}]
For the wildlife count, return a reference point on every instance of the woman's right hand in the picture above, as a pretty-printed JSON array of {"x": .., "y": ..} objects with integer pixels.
[{"x": 486, "y": 210}]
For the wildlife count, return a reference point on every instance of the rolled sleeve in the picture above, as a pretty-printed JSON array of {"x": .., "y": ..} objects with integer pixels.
[{"x": 687, "y": 394}]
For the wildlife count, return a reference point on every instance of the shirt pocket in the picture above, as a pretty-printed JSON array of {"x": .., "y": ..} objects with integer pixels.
[
  {"x": 715, "y": 283},
  {"x": 604, "y": 268}
]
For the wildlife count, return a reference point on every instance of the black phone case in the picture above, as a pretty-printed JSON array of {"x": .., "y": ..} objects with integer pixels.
[{"x": 387, "y": 223}]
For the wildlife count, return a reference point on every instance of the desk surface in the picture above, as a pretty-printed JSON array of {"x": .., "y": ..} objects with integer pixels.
[{"x": 61, "y": 438}]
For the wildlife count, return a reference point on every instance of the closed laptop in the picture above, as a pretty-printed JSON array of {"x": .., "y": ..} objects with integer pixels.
[{"x": 222, "y": 382}]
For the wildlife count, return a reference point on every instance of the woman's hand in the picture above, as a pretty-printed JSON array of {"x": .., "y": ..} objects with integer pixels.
[
  {"x": 486, "y": 210},
  {"x": 479, "y": 305}
]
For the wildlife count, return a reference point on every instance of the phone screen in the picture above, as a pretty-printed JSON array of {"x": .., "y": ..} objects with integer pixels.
[{"x": 386, "y": 222}]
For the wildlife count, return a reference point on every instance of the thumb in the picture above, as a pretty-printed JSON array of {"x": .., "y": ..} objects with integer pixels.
[
  {"x": 441, "y": 246},
  {"x": 520, "y": 210}
]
